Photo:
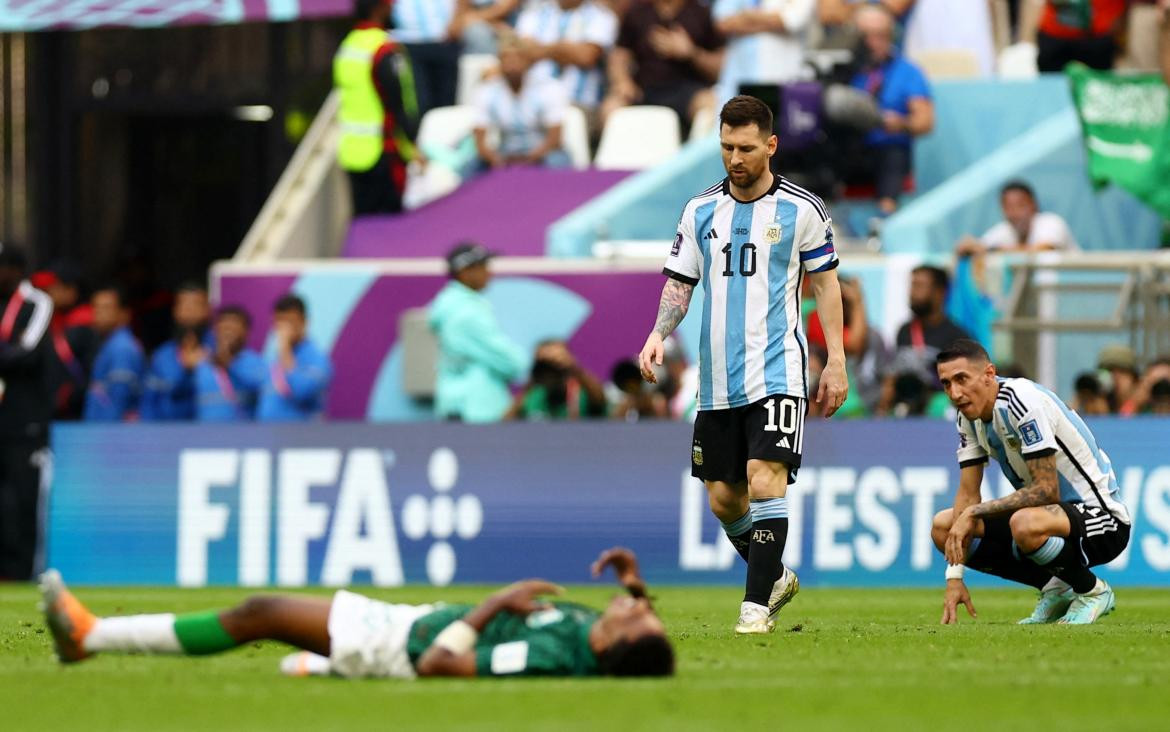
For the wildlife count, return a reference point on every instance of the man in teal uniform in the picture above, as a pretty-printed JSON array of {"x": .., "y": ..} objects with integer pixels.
[{"x": 511, "y": 633}]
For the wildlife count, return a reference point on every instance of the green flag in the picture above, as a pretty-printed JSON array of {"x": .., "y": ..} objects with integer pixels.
[{"x": 1125, "y": 120}]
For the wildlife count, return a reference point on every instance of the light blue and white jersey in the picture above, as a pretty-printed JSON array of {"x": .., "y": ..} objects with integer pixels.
[
  {"x": 763, "y": 57},
  {"x": 751, "y": 259},
  {"x": 1028, "y": 422},
  {"x": 422, "y": 21},
  {"x": 523, "y": 119},
  {"x": 545, "y": 22}
]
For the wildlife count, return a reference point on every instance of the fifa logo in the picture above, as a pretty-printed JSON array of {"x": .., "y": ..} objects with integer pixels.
[{"x": 763, "y": 536}]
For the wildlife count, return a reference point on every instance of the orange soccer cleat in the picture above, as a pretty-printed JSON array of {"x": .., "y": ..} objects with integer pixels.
[{"x": 68, "y": 620}]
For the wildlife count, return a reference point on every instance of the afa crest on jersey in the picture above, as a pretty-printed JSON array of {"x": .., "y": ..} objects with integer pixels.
[{"x": 772, "y": 234}]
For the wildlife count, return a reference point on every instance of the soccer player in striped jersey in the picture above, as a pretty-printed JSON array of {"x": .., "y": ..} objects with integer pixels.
[
  {"x": 1065, "y": 515},
  {"x": 750, "y": 240}
]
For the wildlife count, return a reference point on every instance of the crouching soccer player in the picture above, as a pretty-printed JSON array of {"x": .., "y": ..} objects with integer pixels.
[
  {"x": 511, "y": 633},
  {"x": 1064, "y": 516}
]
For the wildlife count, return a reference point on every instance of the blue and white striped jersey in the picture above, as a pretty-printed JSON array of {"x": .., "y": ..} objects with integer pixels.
[
  {"x": 422, "y": 21},
  {"x": 751, "y": 259},
  {"x": 545, "y": 22},
  {"x": 1029, "y": 421}
]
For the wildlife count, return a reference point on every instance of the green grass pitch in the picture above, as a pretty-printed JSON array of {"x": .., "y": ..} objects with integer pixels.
[{"x": 840, "y": 660}]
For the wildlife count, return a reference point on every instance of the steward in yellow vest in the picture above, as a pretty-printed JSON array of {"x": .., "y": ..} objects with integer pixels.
[{"x": 378, "y": 116}]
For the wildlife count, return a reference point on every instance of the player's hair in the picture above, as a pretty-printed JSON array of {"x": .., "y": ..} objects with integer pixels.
[
  {"x": 649, "y": 655},
  {"x": 235, "y": 311},
  {"x": 963, "y": 348},
  {"x": 745, "y": 110},
  {"x": 1018, "y": 185},
  {"x": 191, "y": 286},
  {"x": 942, "y": 280},
  {"x": 288, "y": 303}
]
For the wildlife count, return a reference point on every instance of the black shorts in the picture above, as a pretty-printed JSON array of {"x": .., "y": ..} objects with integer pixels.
[
  {"x": 771, "y": 429},
  {"x": 1101, "y": 536}
]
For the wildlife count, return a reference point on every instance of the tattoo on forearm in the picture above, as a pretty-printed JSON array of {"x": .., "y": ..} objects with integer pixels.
[
  {"x": 1041, "y": 491},
  {"x": 676, "y": 299}
]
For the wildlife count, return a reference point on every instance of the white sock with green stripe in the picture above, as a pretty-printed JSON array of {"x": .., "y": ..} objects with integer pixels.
[{"x": 192, "y": 634}]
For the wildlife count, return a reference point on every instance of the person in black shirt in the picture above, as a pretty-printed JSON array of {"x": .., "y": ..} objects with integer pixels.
[
  {"x": 26, "y": 408},
  {"x": 911, "y": 378}
]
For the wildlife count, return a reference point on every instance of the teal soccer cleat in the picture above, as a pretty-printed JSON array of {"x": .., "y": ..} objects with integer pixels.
[
  {"x": 1087, "y": 608},
  {"x": 1052, "y": 606}
]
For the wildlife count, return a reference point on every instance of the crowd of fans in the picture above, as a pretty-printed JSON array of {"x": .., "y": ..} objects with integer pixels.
[
  {"x": 691, "y": 56},
  {"x": 97, "y": 368}
]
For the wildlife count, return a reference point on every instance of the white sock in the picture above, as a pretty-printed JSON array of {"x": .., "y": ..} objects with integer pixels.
[
  {"x": 1057, "y": 584},
  {"x": 134, "y": 634},
  {"x": 1098, "y": 588}
]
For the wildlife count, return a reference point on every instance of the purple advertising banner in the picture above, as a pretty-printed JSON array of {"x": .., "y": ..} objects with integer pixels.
[
  {"x": 35, "y": 15},
  {"x": 508, "y": 211},
  {"x": 354, "y": 313}
]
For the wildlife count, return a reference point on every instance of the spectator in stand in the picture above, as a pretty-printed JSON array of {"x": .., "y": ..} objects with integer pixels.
[
  {"x": 429, "y": 29},
  {"x": 169, "y": 393},
  {"x": 1024, "y": 228},
  {"x": 560, "y": 388},
  {"x": 526, "y": 112},
  {"x": 679, "y": 382},
  {"x": 72, "y": 337},
  {"x": 1089, "y": 396},
  {"x": 918, "y": 342},
  {"x": 1160, "y": 397},
  {"x": 668, "y": 53},
  {"x": 115, "y": 384},
  {"x": 766, "y": 41},
  {"x": 476, "y": 360},
  {"x": 1146, "y": 396},
  {"x": 25, "y": 413},
  {"x": 1081, "y": 30},
  {"x": 299, "y": 375},
  {"x": 228, "y": 379},
  {"x": 1119, "y": 363},
  {"x": 480, "y": 23},
  {"x": 570, "y": 39},
  {"x": 379, "y": 112},
  {"x": 632, "y": 399},
  {"x": 867, "y": 358},
  {"x": 902, "y": 94}
]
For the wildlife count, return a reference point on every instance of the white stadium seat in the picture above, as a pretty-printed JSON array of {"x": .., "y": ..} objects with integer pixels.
[
  {"x": 636, "y": 138},
  {"x": 473, "y": 69},
  {"x": 446, "y": 126},
  {"x": 1017, "y": 62},
  {"x": 575, "y": 137}
]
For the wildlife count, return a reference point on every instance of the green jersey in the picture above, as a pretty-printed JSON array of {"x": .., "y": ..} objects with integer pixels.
[{"x": 552, "y": 642}]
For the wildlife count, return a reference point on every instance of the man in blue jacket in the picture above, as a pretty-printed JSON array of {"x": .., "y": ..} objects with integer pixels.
[
  {"x": 228, "y": 380},
  {"x": 476, "y": 360},
  {"x": 115, "y": 384},
  {"x": 169, "y": 390},
  {"x": 299, "y": 375}
]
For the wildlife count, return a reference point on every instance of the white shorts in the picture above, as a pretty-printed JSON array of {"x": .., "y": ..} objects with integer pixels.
[{"x": 368, "y": 637}]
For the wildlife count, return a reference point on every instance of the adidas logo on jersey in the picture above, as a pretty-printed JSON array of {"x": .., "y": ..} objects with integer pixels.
[
  {"x": 711, "y": 235},
  {"x": 784, "y": 443}
]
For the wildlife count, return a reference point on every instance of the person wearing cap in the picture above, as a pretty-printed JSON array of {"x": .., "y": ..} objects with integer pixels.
[
  {"x": 73, "y": 339},
  {"x": 379, "y": 111},
  {"x": 476, "y": 360},
  {"x": 1120, "y": 362},
  {"x": 26, "y": 409},
  {"x": 299, "y": 375}
]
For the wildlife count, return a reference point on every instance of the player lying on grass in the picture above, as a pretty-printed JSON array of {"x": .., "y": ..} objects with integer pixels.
[
  {"x": 511, "y": 633},
  {"x": 1064, "y": 515}
]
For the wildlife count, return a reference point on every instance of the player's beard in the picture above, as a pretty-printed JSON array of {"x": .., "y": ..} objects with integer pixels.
[{"x": 747, "y": 181}]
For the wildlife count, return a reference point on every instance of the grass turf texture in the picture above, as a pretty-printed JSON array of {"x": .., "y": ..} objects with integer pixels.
[{"x": 840, "y": 659}]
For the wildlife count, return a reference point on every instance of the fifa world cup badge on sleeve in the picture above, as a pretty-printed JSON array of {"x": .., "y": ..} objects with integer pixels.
[
  {"x": 1030, "y": 431},
  {"x": 677, "y": 246},
  {"x": 772, "y": 234}
]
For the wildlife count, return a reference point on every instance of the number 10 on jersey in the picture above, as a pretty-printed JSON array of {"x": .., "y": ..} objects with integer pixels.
[{"x": 747, "y": 260}]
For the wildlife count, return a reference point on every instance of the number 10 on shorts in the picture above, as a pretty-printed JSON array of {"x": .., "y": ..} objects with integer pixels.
[{"x": 782, "y": 417}]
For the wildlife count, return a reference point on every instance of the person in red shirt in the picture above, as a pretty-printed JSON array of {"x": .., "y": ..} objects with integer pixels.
[{"x": 1080, "y": 30}]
